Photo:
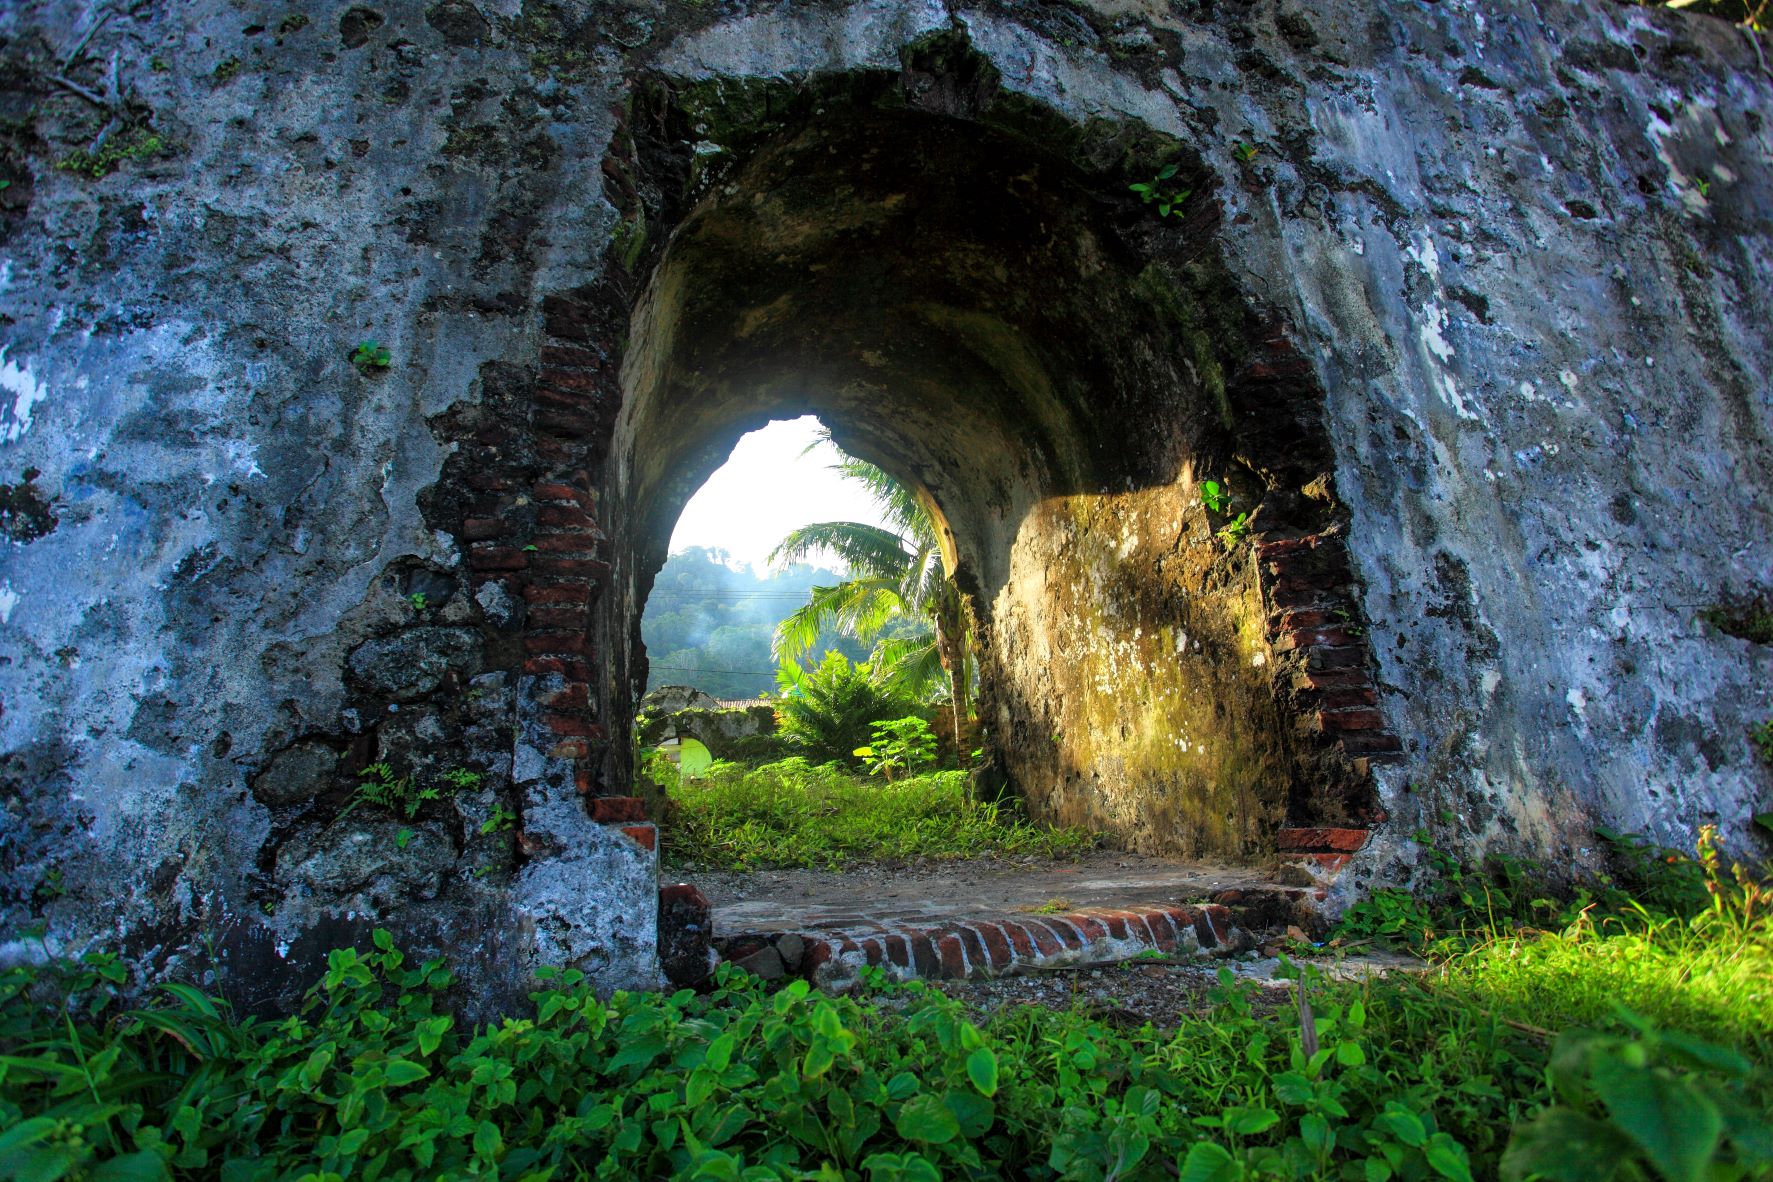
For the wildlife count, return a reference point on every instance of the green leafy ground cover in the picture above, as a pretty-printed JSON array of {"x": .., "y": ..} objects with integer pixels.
[
  {"x": 795, "y": 813},
  {"x": 1449, "y": 1077},
  {"x": 1514, "y": 1060}
]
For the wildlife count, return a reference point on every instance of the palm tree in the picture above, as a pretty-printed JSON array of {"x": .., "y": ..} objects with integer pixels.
[{"x": 896, "y": 572}]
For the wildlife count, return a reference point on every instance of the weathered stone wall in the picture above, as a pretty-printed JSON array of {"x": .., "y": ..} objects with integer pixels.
[{"x": 1481, "y": 327}]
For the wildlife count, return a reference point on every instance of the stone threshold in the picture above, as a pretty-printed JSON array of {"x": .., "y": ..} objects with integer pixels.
[{"x": 976, "y": 949}]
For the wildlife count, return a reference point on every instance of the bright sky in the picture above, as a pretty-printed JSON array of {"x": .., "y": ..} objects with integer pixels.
[{"x": 766, "y": 488}]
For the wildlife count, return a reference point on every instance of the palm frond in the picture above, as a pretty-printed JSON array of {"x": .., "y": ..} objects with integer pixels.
[
  {"x": 910, "y": 665},
  {"x": 864, "y": 549}
]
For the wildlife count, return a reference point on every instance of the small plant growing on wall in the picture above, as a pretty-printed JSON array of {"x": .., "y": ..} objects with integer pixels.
[
  {"x": 1162, "y": 192},
  {"x": 1217, "y": 500},
  {"x": 371, "y": 357},
  {"x": 401, "y": 795},
  {"x": 1762, "y": 737}
]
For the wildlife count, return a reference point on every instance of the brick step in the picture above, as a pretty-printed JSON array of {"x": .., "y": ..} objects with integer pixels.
[{"x": 994, "y": 947}]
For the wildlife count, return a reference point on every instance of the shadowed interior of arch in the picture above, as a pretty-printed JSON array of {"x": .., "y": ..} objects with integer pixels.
[{"x": 984, "y": 319}]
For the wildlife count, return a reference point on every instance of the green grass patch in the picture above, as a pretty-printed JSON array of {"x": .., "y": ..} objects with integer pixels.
[{"x": 793, "y": 813}]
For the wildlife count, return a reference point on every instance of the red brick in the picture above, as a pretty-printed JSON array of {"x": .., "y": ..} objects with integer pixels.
[
  {"x": 567, "y": 423},
  {"x": 586, "y": 542},
  {"x": 1293, "y": 593},
  {"x": 1329, "y": 863},
  {"x": 924, "y": 957},
  {"x": 565, "y": 619},
  {"x": 617, "y": 808},
  {"x": 488, "y": 482},
  {"x": 1344, "y": 698},
  {"x": 872, "y": 950},
  {"x": 497, "y": 558},
  {"x": 570, "y": 724},
  {"x": 647, "y": 836},
  {"x": 568, "y": 515},
  {"x": 1117, "y": 925},
  {"x": 818, "y": 952},
  {"x": 1045, "y": 943},
  {"x": 573, "y": 697},
  {"x": 898, "y": 951},
  {"x": 953, "y": 960},
  {"x": 570, "y": 356},
  {"x": 566, "y": 379},
  {"x": 1280, "y": 547},
  {"x": 977, "y": 957},
  {"x": 1020, "y": 942},
  {"x": 555, "y": 643},
  {"x": 1089, "y": 927},
  {"x": 683, "y": 892},
  {"x": 564, "y": 401},
  {"x": 1371, "y": 743},
  {"x": 1344, "y": 841},
  {"x": 582, "y": 778},
  {"x": 570, "y": 749},
  {"x": 557, "y": 593},
  {"x": 480, "y": 529},
  {"x": 571, "y": 566},
  {"x": 1347, "y": 657},
  {"x": 569, "y": 667},
  {"x": 1277, "y": 368},
  {"x": 1137, "y": 928},
  {"x": 569, "y": 319},
  {"x": 1333, "y": 679},
  {"x": 1163, "y": 930},
  {"x": 1293, "y": 621},
  {"x": 997, "y": 946},
  {"x": 1358, "y": 719},
  {"x": 560, "y": 492},
  {"x": 1067, "y": 934},
  {"x": 1311, "y": 637}
]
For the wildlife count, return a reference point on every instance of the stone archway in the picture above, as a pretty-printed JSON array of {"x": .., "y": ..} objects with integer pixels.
[{"x": 961, "y": 284}]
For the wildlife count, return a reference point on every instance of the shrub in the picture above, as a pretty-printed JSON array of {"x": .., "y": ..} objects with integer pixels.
[{"x": 829, "y": 712}]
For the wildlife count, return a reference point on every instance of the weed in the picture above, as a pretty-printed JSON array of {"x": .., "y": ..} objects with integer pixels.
[
  {"x": 902, "y": 745},
  {"x": 1217, "y": 499},
  {"x": 401, "y": 795},
  {"x": 291, "y": 23},
  {"x": 500, "y": 820},
  {"x": 463, "y": 780},
  {"x": 1244, "y": 153},
  {"x": 226, "y": 71},
  {"x": 135, "y": 142},
  {"x": 1761, "y": 735},
  {"x": 398, "y": 794},
  {"x": 417, "y": 601},
  {"x": 370, "y": 357},
  {"x": 1052, "y": 907},
  {"x": 1160, "y": 191},
  {"x": 50, "y": 887},
  {"x": 1654, "y": 1103},
  {"x": 1383, "y": 1079},
  {"x": 791, "y": 813},
  {"x": 1751, "y": 621},
  {"x": 403, "y": 839}
]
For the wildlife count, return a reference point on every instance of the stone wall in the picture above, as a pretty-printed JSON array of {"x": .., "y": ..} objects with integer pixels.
[{"x": 1478, "y": 333}]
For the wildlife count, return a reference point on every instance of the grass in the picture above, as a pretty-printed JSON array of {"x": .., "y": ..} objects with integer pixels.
[{"x": 792, "y": 813}]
